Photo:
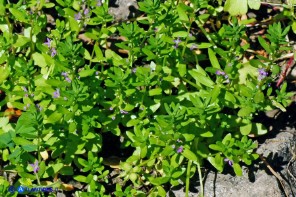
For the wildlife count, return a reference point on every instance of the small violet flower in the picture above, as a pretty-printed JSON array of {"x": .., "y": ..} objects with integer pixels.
[
  {"x": 262, "y": 73},
  {"x": 25, "y": 89},
  {"x": 219, "y": 72},
  {"x": 99, "y": 3},
  {"x": 47, "y": 42},
  {"x": 86, "y": 11},
  {"x": 35, "y": 166},
  {"x": 180, "y": 149},
  {"x": 56, "y": 94},
  {"x": 111, "y": 108},
  {"x": 123, "y": 112},
  {"x": 53, "y": 52},
  {"x": 39, "y": 107},
  {"x": 193, "y": 47},
  {"x": 134, "y": 70},
  {"x": 77, "y": 16},
  {"x": 228, "y": 161},
  {"x": 65, "y": 74},
  {"x": 177, "y": 42},
  {"x": 68, "y": 79},
  {"x": 27, "y": 107}
]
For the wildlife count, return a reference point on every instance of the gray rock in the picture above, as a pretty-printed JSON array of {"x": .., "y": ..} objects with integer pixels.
[
  {"x": 257, "y": 180},
  {"x": 123, "y": 9}
]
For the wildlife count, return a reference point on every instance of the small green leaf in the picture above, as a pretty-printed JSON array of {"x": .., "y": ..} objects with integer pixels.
[
  {"x": 86, "y": 72},
  {"x": 213, "y": 59},
  {"x": 254, "y": 4},
  {"x": 20, "y": 15},
  {"x": 156, "y": 91},
  {"x": 237, "y": 169},
  {"x": 201, "y": 78},
  {"x": 217, "y": 162},
  {"x": 182, "y": 34},
  {"x": 246, "y": 129},
  {"x": 236, "y": 7},
  {"x": 189, "y": 155},
  {"x": 245, "y": 111},
  {"x": 182, "y": 69},
  {"x": 259, "y": 97},
  {"x": 265, "y": 45},
  {"x": 39, "y": 59},
  {"x": 278, "y": 105},
  {"x": 80, "y": 178},
  {"x": 5, "y": 71},
  {"x": 159, "y": 180},
  {"x": 182, "y": 12},
  {"x": 259, "y": 129}
]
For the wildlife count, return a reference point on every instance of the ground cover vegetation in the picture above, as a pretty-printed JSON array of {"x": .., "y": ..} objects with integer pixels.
[{"x": 150, "y": 99}]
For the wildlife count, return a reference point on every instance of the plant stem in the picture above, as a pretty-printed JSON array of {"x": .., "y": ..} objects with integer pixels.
[
  {"x": 199, "y": 24},
  {"x": 188, "y": 178},
  {"x": 200, "y": 180}
]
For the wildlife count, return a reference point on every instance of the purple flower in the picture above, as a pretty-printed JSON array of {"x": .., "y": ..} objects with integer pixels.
[
  {"x": 86, "y": 11},
  {"x": 123, "y": 112},
  {"x": 134, "y": 70},
  {"x": 219, "y": 72},
  {"x": 68, "y": 79},
  {"x": 228, "y": 161},
  {"x": 25, "y": 89},
  {"x": 65, "y": 74},
  {"x": 77, "y": 16},
  {"x": 27, "y": 106},
  {"x": 99, "y": 3},
  {"x": 47, "y": 42},
  {"x": 111, "y": 108},
  {"x": 56, "y": 94},
  {"x": 262, "y": 73},
  {"x": 35, "y": 166},
  {"x": 177, "y": 42},
  {"x": 193, "y": 47},
  {"x": 39, "y": 107},
  {"x": 53, "y": 52},
  {"x": 97, "y": 72},
  {"x": 180, "y": 149},
  {"x": 26, "y": 95}
]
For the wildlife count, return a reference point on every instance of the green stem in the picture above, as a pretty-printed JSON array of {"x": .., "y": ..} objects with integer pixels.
[
  {"x": 200, "y": 181},
  {"x": 188, "y": 178},
  {"x": 187, "y": 81},
  {"x": 31, "y": 38},
  {"x": 199, "y": 24},
  {"x": 10, "y": 29},
  {"x": 187, "y": 38},
  {"x": 92, "y": 54}
]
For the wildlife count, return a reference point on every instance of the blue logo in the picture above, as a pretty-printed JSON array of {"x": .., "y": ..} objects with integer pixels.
[
  {"x": 11, "y": 189},
  {"x": 20, "y": 189}
]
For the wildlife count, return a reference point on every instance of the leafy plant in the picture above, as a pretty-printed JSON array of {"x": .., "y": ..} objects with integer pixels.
[{"x": 172, "y": 92}]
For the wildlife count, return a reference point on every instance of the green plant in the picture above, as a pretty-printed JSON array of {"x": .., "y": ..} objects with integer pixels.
[{"x": 180, "y": 96}]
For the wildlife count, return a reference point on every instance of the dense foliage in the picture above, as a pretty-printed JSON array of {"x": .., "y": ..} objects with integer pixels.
[{"x": 175, "y": 87}]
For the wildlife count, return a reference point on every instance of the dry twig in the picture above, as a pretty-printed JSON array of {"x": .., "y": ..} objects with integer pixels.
[{"x": 281, "y": 180}]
